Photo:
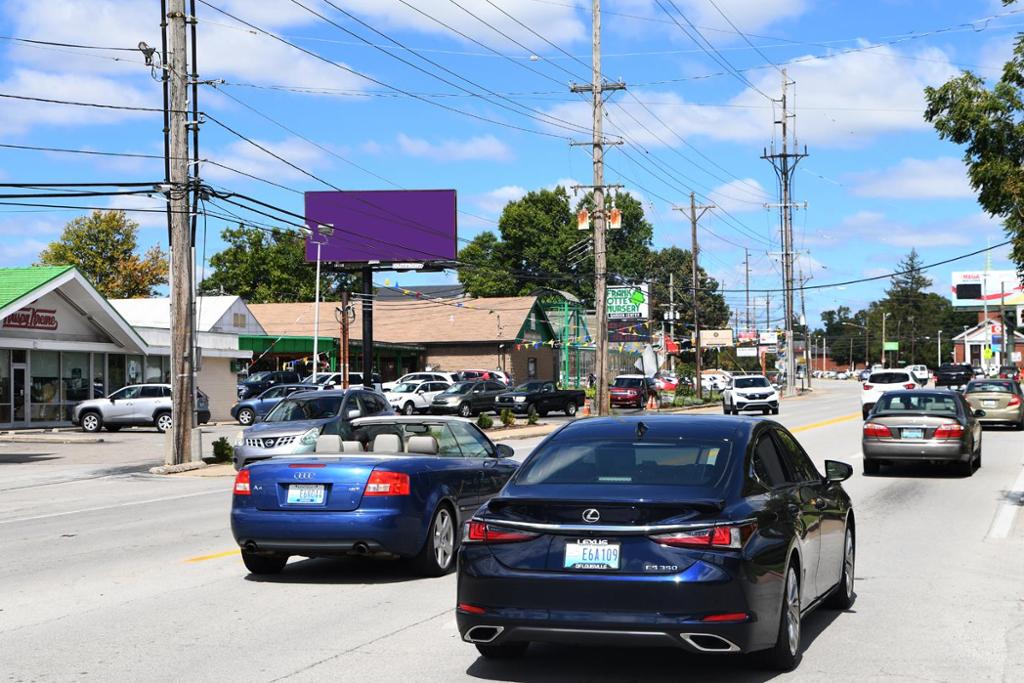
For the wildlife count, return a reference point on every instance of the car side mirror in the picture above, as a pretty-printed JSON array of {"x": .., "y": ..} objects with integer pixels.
[
  {"x": 352, "y": 414},
  {"x": 836, "y": 471},
  {"x": 113, "y": 400},
  {"x": 979, "y": 413},
  {"x": 503, "y": 451}
]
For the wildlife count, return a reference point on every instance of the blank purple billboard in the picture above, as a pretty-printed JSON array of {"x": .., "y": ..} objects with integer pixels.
[{"x": 382, "y": 225}]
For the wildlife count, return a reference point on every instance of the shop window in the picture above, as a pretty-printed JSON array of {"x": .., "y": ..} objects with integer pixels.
[
  {"x": 154, "y": 369},
  {"x": 99, "y": 371},
  {"x": 531, "y": 368},
  {"x": 75, "y": 380},
  {"x": 44, "y": 386},
  {"x": 116, "y": 377},
  {"x": 134, "y": 369},
  {"x": 5, "y": 386}
]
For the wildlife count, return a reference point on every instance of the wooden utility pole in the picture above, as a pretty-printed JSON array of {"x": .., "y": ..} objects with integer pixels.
[
  {"x": 596, "y": 88},
  {"x": 746, "y": 265},
  {"x": 344, "y": 337},
  {"x": 694, "y": 255},
  {"x": 182, "y": 348}
]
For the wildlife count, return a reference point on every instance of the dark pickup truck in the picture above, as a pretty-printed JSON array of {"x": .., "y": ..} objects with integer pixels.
[
  {"x": 540, "y": 397},
  {"x": 953, "y": 375}
]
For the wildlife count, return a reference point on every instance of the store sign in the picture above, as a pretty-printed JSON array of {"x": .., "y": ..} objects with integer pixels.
[
  {"x": 628, "y": 303},
  {"x": 712, "y": 339},
  {"x": 746, "y": 352},
  {"x": 768, "y": 338},
  {"x": 747, "y": 336},
  {"x": 891, "y": 346},
  {"x": 30, "y": 318}
]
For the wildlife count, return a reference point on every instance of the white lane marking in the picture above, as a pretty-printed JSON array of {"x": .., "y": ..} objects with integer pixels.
[
  {"x": 111, "y": 507},
  {"x": 1007, "y": 511}
]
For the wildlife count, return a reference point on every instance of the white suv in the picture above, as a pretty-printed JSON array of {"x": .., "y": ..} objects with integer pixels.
[
  {"x": 880, "y": 382},
  {"x": 750, "y": 392},
  {"x": 414, "y": 396},
  {"x": 136, "y": 404}
]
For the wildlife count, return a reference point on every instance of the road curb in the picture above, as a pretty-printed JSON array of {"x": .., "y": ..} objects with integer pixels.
[{"x": 175, "y": 469}]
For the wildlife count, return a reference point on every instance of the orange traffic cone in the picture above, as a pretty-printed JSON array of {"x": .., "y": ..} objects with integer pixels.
[
  {"x": 652, "y": 402},
  {"x": 586, "y": 408}
]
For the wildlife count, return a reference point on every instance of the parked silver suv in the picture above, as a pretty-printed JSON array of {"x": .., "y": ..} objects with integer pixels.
[{"x": 136, "y": 404}]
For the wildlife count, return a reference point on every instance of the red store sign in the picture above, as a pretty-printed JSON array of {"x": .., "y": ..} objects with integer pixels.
[{"x": 30, "y": 318}]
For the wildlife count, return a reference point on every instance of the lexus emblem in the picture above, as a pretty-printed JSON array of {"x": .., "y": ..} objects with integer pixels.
[{"x": 591, "y": 515}]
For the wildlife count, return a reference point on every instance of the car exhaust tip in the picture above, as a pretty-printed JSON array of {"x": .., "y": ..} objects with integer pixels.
[
  {"x": 250, "y": 547},
  {"x": 361, "y": 549},
  {"x": 708, "y": 642},
  {"x": 483, "y": 634}
]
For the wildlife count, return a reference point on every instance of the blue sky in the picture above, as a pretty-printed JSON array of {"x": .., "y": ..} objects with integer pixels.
[{"x": 878, "y": 180}]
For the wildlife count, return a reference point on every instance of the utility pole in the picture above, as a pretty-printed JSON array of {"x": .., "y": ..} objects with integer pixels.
[
  {"x": 807, "y": 330},
  {"x": 597, "y": 87},
  {"x": 182, "y": 348},
  {"x": 785, "y": 163},
  {"x": 746, "y": 264},
  {"x": 694, "y": 255},
  {"x": 344, "y": 335},
  {"x": 672, "y": 306}
]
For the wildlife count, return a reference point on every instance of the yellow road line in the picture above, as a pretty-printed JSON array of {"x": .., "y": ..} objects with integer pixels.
[
  {"x": 826, "y": 423},
  {"x": 215, "y": 556}
]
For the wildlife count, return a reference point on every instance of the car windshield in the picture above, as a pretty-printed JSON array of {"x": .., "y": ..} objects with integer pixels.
[
  {"x": 750, "y": 382},
  {"x": 888, "y": 378},
  {"x": 530, "y": 386},
  {"x": 258, "y": 377},
  {"x": 405, "y": 388},
  {"x": 460, "y": 388},
  {"x": 692, "y": 463},
  {"x": 628, "y": 382},
  {"x": 312, "y": 408},
  {"x": 989, "y": 387},
  {"x": 919, "y": 402}
]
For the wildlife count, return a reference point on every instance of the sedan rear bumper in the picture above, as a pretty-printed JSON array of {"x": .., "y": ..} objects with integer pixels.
[{"x": 930, "y": 449}]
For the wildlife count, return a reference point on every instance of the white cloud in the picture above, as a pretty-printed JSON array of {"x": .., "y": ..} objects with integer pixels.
[
  {"x": 748, "y": 15},
  {"x": 495, "y": 200},
  {"x": 151, "y": 210},
  {"x": 245, "y": 157},
  {"x": 742, "y": 195},
  {"x": 872, "y": 226},
  {"x": 942, "y": 178},
  {"x": 480, "y": 148}
]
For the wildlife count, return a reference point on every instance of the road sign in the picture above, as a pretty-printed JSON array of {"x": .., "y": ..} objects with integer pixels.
[
  {"x": 715, "y": 339},
  {"x": 628, "y": 303},
  {"x": 891, "y": 346}
]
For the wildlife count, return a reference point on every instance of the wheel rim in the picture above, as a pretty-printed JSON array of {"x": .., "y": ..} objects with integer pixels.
[
  {"x": 409, "y": 410},
  {"x": 848, "y": 564},
  {"x": 572, "y": 409},
  {"x": 464, "y": 410},
  {"x": 164, "y": 422},
  {"x": 793, "y": 611},
  {"x": 444, "y": 538},
  {"x": 245, "y": 417},
  {"x": 90, "y": 423}
]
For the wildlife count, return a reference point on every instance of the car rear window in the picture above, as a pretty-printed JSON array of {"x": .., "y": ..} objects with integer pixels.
[
  {"x": 692, "y": 463},
  {"x": 989, "y": 387},
  {"x": 314, "y": 408},
  {"x": 888, "y": 378},
  {"x": 917, "y": 402}
]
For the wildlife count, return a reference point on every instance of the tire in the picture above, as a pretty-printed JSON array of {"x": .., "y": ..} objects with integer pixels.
[
  {"x": 91, "y": 422},
  {"x": 1020, "y": 425},
  {"x": 725, "y": 408},
  {"x": 977, "y": 455},
  {"x": 570, "y": 409},
  {"x": 112, "y": 428},
  {"x": 162, "y": 421},
  {"x": 263, "y": 565},
  {"x": 542, "y": 413},
  {"x": 786, "y": 653},
  {"x": 965, "y": 469},
  {"x": 408, "y": 408},
  {"x": 465, "y": 410},
  {"x": 843, "y": 596},
  {"x": 871, "y": 466},
  {"x": 437, "y": 557},
  {"x": 506, "y": 651},
  {"x": 246, "y": 416}
]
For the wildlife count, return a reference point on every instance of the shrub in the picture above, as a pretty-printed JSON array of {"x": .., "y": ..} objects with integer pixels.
[
  {"x": 679, "y": 401},
  {"x": 531, "y": 418},
  {"x": 590, "y": 392},
  {"x": 507, "y": 418},
  {"x": 222, "y": 451},
  {"x": 484, "y": 421}
]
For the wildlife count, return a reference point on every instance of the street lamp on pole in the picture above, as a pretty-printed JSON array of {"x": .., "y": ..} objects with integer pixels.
[
  {"x": 321, "y": 230},
  {"x": 867, "y": 359}
]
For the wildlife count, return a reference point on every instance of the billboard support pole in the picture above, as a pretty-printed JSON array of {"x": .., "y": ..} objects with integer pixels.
[{"x": 368, "y": 326}]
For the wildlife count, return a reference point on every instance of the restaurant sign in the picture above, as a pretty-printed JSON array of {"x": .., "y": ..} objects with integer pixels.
[{"x": 31, "y": 318}]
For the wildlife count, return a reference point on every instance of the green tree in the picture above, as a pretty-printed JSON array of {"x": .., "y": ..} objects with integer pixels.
[
  {"x": 264, "y": 266},
  {"x": 103, "y": 247},
  {"x": 987, "y": 122},
  {"x": 714, "y": 312}
]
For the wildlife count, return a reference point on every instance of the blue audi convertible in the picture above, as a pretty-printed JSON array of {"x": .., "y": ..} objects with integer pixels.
[
  {"x": 401, "y": 487},
  {"x": 707, "y": 533}
]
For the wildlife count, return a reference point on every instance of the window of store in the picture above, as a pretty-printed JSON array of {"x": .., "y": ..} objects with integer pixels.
[
  {"x": 75, "y": 380},
  {"x": 154, "y": 369},
  {"x": 5, "y": 386},
  {"x": 116, "y": 377},
  {"x": 134, "y": 369},
  {"x": 99, "y": 372},
  {"x": 44, "y": 387}
]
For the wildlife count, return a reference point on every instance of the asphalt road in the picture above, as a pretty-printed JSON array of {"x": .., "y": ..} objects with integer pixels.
[{"x": 108, "y": 573}]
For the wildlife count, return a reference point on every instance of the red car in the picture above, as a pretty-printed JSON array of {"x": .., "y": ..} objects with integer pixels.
[
  {"x": 1009, "y": 372},
  {"x": 631, "y": 391}
]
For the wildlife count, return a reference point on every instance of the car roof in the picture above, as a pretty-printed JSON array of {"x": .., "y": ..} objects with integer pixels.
[
  {"x": 663, "y": 426},
  {"x": 922, "y": 392},
  {"x": 407, "y": 419}
]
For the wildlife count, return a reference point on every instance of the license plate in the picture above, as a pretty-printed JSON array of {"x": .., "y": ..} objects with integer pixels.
[
  {"x": 306, "y": 494},
  {"x": 913, "y": 434},
  {"x": 591, "y": 554},
  {"x": 990, "y": 403}
]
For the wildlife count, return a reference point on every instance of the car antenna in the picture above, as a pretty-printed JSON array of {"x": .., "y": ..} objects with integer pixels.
[{"x": 641, "y": 429}]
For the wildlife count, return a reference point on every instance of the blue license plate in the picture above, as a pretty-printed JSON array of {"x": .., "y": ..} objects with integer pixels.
[
  {"x": 912, "y": 434},
  {"x": 591, "y": 554}
]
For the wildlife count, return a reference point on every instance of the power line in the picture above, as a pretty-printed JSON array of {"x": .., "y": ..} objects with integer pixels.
[
  {"x": 95, "y": 105},
  {"x": 743, "y": 35}
]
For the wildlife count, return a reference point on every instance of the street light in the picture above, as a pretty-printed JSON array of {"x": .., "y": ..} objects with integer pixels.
[
  {"x": 884, "y": 316},
  {"x": 325, "y": 230},
  {"x": 867, "y": 360}
]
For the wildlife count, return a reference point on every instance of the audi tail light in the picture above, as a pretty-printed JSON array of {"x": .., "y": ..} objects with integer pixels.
[
  {"x": 242, "y": 483},
  {"x": 877, "y": 431},
  {"x": 949, "y": 431},
  {"x": 725, "y": 536},
  {"x": 476, "y": 531},
  {"x": 384, "y": 483}
]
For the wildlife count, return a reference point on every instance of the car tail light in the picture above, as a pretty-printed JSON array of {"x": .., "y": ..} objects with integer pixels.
[
  {"x": 953, "y": 431},
  {"x": 868, "y": 387},
  {"x": 725, "y": 618},
  {"x": 384, "y": 483},
  {"x": 472, "y": 609},
  {"x": 909, "y": 385},
  {"x": 1014, "y": 401},
  {"x": 476, "y": 531},
  {"x": 708, "y": 537},
  {"x": 242, "y": 483},
  {"x": 876, "y": 430}
]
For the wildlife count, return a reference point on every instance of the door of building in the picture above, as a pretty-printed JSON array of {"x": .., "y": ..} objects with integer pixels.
[{"x": 19, "y": 393}]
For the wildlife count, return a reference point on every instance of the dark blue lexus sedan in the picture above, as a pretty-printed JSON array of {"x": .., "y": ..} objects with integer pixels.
[{"x": 709, "y": 533}]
